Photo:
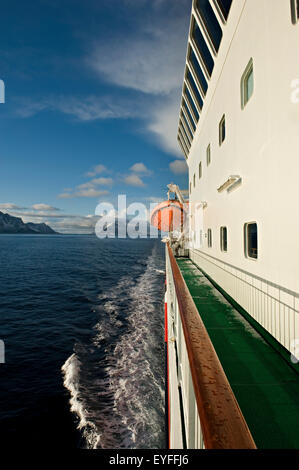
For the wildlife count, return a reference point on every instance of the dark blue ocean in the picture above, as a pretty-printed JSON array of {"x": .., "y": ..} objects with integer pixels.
[{"x": 82, "y": 322}]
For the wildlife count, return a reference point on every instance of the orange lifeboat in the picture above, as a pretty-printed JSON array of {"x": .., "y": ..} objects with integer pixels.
[{"x": 168, "y": 216}]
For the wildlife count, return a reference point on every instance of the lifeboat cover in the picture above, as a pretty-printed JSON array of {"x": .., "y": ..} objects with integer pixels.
[{"x": 168, "y": 216}]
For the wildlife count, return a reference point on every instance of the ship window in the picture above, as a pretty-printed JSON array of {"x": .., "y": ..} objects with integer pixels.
[
  {"x": 183, "y": 139},
  {"x": 191, "y": 101},
  {"x": 186, "y": 130},
  {"x": 184, "y": 149},
  {"x": 209, "y": 238},
  {"x": 222, "y": 130},
  {"x": 250, "y": 239},
  {"x": 223, "y": 238},
  {"x": 193, "y": 86},
  {"x": 186, "y": 124},
  {"x": 224, "y": 6},
  {"x": 185, "y": 133},
  {"x": 208, "y": 153},
  {"x": 198, "y": 71},
  {"x": 199, "y": 171},
  {"x": 210, "y": 21},
  {"x": 247, "y": 84},
  {"x": 185, "y": 107},
  {"x": 295, "y": 11},
  {"x": 202, "y": 47}
]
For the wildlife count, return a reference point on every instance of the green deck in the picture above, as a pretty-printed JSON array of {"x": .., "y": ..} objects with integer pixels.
[{"x": 265, "y": 385}]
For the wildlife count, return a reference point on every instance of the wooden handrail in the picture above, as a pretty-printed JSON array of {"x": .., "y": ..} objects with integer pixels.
[{"x": 222, "y": 422}]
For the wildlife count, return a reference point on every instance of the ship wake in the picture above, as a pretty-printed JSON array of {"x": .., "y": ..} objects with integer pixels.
[{"x": 116, "y": 382}]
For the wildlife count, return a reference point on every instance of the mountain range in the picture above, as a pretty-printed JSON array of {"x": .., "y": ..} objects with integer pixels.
[{"x": 11, "y": 224}]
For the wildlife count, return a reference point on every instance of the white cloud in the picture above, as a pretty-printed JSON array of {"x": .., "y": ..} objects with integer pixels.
[
  {"x": 92, "y": 107},
  {"x": 178, "y": 167},
  {"x": 10, "y": 206},
  {"x": 140, "y": 168},
  {"x": 83, "y": 108},
  {"x": 164, "y": 123},
  {"x": 102, "y": 181},
  {"x": 149, "y": 58},
  {"x": 96, "y": 170},
  {"x": 88, "y": 192},
  {"x": 63, "y": 223},
  {"x": 151, "y": 61},
  {"x": 90, "y": 188},
  {"x": 44, "y": 207},
  {"x": 149, "y": 65},
  {"x": 134, "y": 180}
]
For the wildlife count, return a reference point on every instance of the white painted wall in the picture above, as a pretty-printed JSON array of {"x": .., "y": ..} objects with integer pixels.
[{"x": 261, "y": 145}]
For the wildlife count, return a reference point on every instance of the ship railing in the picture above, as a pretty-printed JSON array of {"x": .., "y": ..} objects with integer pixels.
[{"x": 203, "y": 412}]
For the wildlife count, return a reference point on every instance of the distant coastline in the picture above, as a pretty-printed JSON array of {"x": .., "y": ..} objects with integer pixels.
[{"x": 15, "y": 225}]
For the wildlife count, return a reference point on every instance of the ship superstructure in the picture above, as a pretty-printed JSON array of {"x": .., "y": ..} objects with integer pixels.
[{"x": 238, "y": 130}]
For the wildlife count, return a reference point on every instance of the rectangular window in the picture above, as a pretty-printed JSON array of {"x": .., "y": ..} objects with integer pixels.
[
  {"x": 209, "y": 238},
  {"x": 184, "y": 134},
  {"x": 210, "y": 21},
  {"x": 194, "y": 88},
  {"x": 190, "y": 99},
  {"x": 222, "y": 130},
  {"x": 183, "y": 139},
  {"x": 247, "y": 84},
  {"x": 250, "y": 240},
  {"x": 185, "y": 122},
  {"x": 202, "y": 47},
  {"x": 185, "y": 108},
  {"x": 186, "y": 129},
  {"x": 224, "y": 6},
  {"x": 197, "y": 70},
  {"x": 208, "y": 153},
  {"x": 183, "y": 147},
  {"x": 295, "y": 11},
  {"x": 223, "y": 238},
  {"x": 199, "y": 171},
  {"x": 194, "y": 180}
]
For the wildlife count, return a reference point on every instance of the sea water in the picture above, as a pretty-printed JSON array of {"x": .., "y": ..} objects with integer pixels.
[{"x": 82, "y": 323}]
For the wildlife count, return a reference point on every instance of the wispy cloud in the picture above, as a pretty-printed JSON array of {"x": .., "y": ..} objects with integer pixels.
[
  {"x": 134, "y": 180},
  {"x": 44, "y": 207},
  {"x": 147, "y": 59},
  {"x": 59, "y": 221},
  {"x": 141, "y": 169},
  {"x": 97, "y": 170},
  {"x": 151, "y": 61},
  {"x": 82, "y": 108},
  {"x": 88, "y": 192},
  {"x": 163, "y": 123},
  {"x": 10, "y": 206},
  {"x": 91, "y": 188},
  {"x": 178, "y": 167},
  {"x": 102, "y": 181}
]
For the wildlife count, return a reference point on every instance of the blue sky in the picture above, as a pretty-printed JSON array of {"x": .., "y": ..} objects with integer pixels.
[{"x": 92, "y": 94}]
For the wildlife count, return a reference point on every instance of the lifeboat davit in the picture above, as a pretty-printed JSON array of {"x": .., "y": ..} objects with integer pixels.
[{"x": 168, "y": 216}]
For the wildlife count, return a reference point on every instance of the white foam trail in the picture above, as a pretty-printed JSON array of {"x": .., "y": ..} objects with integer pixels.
[
  {"x": 132, "y": 377},
  {"x": 71, "y": 371},
  {"x": 124, "y": 408}
]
